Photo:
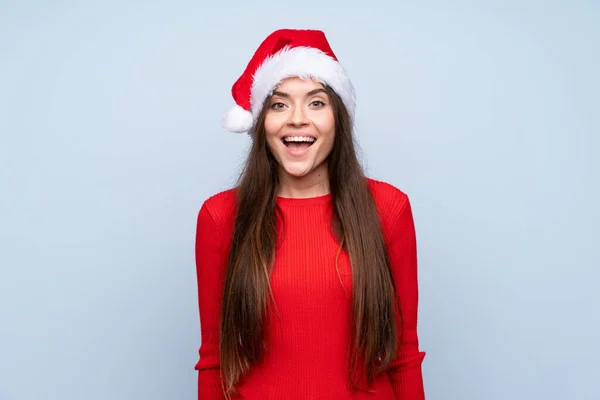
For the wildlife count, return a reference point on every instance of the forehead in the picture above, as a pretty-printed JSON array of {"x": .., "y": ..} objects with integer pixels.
[{"x": 298, "y": 85}]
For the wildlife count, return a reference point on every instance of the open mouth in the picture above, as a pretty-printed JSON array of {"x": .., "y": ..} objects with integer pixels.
[{"x": 298, "y": 142}]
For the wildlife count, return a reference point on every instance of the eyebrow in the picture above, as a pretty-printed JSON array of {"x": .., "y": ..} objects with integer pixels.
[{"x": 311, "y": 93}]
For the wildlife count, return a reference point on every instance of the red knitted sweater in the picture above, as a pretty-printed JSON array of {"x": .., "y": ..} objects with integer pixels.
[{"x": 306, "y": 342}]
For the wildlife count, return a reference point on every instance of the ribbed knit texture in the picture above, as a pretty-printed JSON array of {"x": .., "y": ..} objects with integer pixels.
[{"x": 306, "y": 341}]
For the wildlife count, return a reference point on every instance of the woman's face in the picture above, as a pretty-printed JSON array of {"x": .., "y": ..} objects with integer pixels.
[{"x": 300, "y": 128}]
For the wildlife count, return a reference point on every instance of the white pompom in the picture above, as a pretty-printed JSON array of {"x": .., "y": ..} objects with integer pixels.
[{"x": 237, "y": 120}]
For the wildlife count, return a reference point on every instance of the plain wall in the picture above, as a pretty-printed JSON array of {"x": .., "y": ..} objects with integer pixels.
[{"x": 485, "y": 113}]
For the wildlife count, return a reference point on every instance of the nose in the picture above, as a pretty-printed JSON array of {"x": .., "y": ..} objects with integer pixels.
[{"x": 298, "y": 117}]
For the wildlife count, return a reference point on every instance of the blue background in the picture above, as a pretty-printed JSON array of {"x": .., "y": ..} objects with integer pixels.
[{"x": 486, "y": 113}]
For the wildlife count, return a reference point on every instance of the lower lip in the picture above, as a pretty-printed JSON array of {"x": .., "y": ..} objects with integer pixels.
[{"x": 296, "y": 152}]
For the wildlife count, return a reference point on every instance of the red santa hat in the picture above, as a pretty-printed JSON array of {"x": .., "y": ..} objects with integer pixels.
[{"x": 286, "y": 53}]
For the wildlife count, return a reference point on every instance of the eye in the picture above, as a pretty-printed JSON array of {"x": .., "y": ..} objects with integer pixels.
[
  {"x": 277, "y": 106},
  {"x": 317, "y": 103}
]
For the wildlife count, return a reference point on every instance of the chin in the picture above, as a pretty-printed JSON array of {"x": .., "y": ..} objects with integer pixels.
[
  {"x": 297, "y": 172},
  {"x": 297, "y": 168}
]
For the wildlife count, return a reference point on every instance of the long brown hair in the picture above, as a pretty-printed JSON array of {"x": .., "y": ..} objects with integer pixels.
[{"x": 372, "y": 343}]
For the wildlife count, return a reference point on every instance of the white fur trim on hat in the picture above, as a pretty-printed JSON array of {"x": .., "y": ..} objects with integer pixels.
[
  {"x": 303, "y": 62},
  {"x": 237, "y": 120}
]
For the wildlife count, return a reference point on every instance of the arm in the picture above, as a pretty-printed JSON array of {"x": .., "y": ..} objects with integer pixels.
[
  {"x": 210, "y": 264},
  {"x": 405, "y": 371}
]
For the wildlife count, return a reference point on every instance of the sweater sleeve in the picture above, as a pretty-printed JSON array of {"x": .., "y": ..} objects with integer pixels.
[
  {"x": 405, "y": 371},
  {"x": 210, "y": 259}
]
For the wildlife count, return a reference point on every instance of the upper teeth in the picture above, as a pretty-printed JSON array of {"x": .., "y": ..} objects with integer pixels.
[{"x": 299, "y": 139}]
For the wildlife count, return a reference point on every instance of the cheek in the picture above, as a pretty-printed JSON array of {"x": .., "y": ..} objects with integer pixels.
[
  {"x": 273, "y": 123},
  {"x": 271, "y": 131},
  {"x": 272, "y": 143},
  {"x": 325, "y": 122},
  {"x": 328, "y": 146},
  {"x": 326, "y": 127},
  {"x": 269, "y": 128}
]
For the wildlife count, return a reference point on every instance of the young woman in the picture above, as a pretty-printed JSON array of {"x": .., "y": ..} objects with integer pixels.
[{"x": 307, "y": 269}]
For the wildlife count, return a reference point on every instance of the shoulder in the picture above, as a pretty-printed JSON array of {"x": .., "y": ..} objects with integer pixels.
[
  {"x": 386, "y": 194},
  {"x": 389, "y": 199},
  {"x": 219, "y": 207}
]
